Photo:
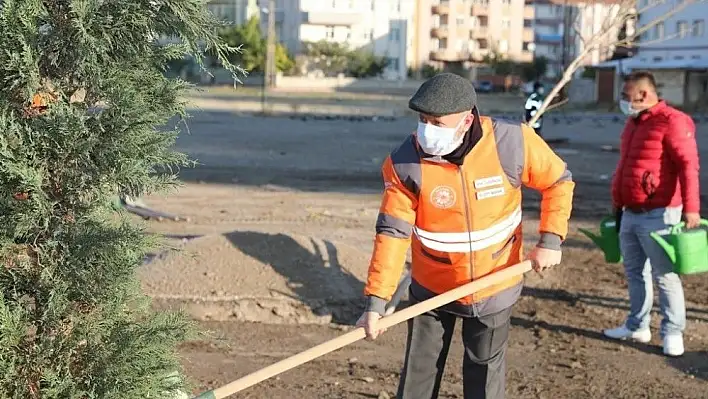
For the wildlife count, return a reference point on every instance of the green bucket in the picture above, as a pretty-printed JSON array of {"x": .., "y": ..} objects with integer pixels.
[
  {"x": 607, "y": 240},
  {"x": 687, "y": 249}
]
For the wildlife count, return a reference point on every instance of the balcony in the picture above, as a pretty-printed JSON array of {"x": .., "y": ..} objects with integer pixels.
[
  {"x": 478, "y": 55},
  {"x": 478, "y": 9},
  {"x": 449, "y": 55},
  {"x": 548, "y": 38},
  {"x": 441, "y": 9},
  {"x": 480, "y": 32},
  {"x": 527, "y": 35},
  {"x": 529, "y": 12},
  {"x": 439, "y": 32},
  {"x": 332, "y": 18}
]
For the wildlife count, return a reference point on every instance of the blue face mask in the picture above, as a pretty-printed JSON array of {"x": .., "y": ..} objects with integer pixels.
[
  {"x": 627, "y": 109},
  {"x": 438, "y": 140}
]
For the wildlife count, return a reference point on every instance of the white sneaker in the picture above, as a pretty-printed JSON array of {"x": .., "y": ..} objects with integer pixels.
[
  {"x": 623, "y": 333},
  {"x": 673, "y": 345}
]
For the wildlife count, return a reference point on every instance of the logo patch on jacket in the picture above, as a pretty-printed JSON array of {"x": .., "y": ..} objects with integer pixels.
[
  {"x": 488, "y": 182},
  {"x": 443, "y": 197},
  {"x": 492, "y": 192}
]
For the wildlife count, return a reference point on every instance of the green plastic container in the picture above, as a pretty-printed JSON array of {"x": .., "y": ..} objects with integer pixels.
[
  {"x": 687, "y": 249},
  {"x": 607, "y": 240}
]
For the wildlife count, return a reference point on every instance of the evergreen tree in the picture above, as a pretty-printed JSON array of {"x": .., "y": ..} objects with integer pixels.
[
  {"x": 255, "y": 47},
  {"x": 82, "y": 103}
]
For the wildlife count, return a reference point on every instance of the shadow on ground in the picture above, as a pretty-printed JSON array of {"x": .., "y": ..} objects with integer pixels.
[
  {"x": 314, "y": 277},
  {"x": 572, "y": 299}
]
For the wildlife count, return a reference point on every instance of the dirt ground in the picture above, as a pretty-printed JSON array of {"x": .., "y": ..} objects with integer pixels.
[{"x": 271, "y": 262}]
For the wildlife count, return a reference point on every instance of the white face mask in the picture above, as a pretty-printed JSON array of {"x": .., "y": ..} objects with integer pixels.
[
  {"x": 437, "y": 140},
  {"x": 626, "y": 108}
]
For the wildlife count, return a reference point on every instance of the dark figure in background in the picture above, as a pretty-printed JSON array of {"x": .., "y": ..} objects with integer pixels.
[{"x": 533, "y": 104}]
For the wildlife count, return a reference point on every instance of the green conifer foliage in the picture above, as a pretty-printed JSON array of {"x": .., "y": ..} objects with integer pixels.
[{"x": 83, "y": 102}]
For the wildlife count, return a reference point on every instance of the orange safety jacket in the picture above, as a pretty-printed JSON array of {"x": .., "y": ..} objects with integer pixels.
[{"x": 464, "y": 222}]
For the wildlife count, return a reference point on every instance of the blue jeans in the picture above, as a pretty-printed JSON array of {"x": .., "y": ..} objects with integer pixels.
[{"x": 644, "y": 259}]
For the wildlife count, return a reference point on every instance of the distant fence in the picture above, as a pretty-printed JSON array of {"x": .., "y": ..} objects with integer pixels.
[
  {"x": 580, "y": 91},
  {"x": 296, "y": 83}
]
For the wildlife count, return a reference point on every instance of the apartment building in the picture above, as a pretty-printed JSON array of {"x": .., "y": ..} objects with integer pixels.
[
  {"x": 676, "y": 47},
  {"x": 673, "y": 45},
  {"x": 561, "y": 25},
  {"x": 679, "y": 39},
  {"x": 383, "y": 26},
  {"x": 463, "y": 32},
  {"x": 553, "y": 36}
]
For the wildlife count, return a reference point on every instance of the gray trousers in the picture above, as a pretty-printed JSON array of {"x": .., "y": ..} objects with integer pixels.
[{"x": 484, "y": 366}]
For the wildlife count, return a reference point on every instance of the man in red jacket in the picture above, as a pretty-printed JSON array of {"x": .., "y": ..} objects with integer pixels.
[{"x": 656, "y": 182}]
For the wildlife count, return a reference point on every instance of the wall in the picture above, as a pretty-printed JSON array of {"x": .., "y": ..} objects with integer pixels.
[
  {"x": 697, "y": 88},
  {"x": 295, "y": 83},
  {"x": 582, "y": 91},
  {"x": 671, "y": 85},
  {"x": 353, "y": 84}
]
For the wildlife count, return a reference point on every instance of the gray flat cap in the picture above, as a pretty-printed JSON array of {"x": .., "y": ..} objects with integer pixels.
[{"x": 444, "y": 94}]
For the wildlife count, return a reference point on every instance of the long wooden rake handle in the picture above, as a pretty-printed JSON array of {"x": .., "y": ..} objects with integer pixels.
[{"x": 358, "y": 334}]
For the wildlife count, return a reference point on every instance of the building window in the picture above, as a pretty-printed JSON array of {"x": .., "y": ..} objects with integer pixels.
[
  {"x": 678, "y": 57},
  {"x": 503, "y": 46},
  {"x": 506, "y": 23},
  {"x": 442, "y": 44},
  {"x": 349, "y": 33},
  {"x": 659, "y": 31},
  {"x": 329, "y": 33},
  {"x": 394, "y": 34},
  {"x": 506, "y": 2},
  {"x": 699, "y": 28},
  {"x": 460, "y": 21},
  {"x": 682, "y": 28},
  {"x": 393, "y": 64}
]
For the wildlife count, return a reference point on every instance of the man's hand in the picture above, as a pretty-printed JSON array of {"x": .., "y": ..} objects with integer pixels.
[
  {"x": 370, "y": 320},
  {"x": 543, "y": 258},
  {"x": 693, "y": 219}
]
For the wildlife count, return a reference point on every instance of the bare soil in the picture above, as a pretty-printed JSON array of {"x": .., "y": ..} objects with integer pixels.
[{"x": 272, "y": 261}]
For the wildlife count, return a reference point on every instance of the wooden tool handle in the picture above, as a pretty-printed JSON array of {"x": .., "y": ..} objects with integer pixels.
[{"x": 358, "y": 334}]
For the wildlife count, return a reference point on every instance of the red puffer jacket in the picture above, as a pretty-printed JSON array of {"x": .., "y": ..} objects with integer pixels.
[{"x": 658, "y": 164}]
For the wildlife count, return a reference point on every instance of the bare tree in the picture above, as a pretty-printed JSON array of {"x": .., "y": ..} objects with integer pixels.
[{"x": 622, "y": 13}]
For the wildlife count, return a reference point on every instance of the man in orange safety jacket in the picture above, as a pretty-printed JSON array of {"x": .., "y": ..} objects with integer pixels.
[{"x": 453, "y": 196}]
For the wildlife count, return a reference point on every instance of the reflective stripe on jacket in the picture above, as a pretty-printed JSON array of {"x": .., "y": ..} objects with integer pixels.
[
  {"x": 533, "y": 104},
  {"x": 464, "y": 222}
]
